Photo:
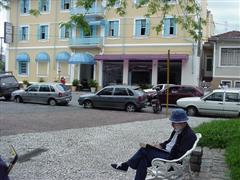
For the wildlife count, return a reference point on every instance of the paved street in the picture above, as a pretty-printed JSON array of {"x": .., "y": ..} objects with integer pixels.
[{"x": 26, "y": 118}]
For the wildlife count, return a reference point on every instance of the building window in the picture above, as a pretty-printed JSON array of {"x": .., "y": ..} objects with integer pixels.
[
  {"x": 23, "y": 35},
  {"x": 142, "y": 27},
  {"x": 117, "y": 4},
  {"x": 227, "y": 83},
  {"x": 64, "y": 33},
  {"x": 43, "y": 32},
  {"x": 43, "y": 5},
  {"x": 22, "y": 68},
  {"x": 66, "y": 4},
  {"x": 230, "y": 57},
  {"x": 169, "y": 27},
  {"x": 237, "y": 84},
  {"x": 25, "y": 6},
  {"x": 112, "y": 28},
  {"x": 209, "y": 64}
]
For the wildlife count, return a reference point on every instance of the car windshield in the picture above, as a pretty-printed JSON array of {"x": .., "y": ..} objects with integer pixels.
[
  {"x": 9, "y": 80},
  {"x": 62, "y": 87}
]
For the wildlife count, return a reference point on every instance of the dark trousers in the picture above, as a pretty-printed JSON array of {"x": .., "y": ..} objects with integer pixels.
[{"x": 142, "y": 159}]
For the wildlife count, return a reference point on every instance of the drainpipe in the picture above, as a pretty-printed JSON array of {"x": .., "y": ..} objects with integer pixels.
[{"x": 54, "y": 44}]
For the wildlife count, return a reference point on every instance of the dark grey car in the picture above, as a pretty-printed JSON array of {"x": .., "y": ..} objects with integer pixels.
[
  {"x": 130, "y": 98},
  {"x": 45, "y": 93}
]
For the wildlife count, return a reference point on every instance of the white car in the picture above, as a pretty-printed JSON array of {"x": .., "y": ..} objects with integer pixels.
[
  {"x": 218, "y": 102},
  {"x": 153, "y": 89}
]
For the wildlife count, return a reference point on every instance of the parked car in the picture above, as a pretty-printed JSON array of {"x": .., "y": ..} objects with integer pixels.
[
  {"x": 176, "y": 92},
  {"x": 8, "y": 84},
  {"x": 130, "y": 98},
  {"x": 217, "y": 102},
  {"x": 45, "y": 93}
]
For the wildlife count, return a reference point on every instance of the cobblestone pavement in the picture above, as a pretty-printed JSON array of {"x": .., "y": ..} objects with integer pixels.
[{"x": 86, "y": 153}]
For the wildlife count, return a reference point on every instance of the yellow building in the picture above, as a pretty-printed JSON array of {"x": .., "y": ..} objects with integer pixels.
[{"x": 118, "y": 50}]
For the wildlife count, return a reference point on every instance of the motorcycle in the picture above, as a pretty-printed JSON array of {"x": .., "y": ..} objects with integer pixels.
[
  {"x": 4, "y": 168},
  {"x": 156, "y": 104}
]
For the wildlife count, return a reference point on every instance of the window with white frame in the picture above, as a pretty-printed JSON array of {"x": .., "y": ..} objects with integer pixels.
[
  {"x": 169, "y": 27},
  {"x": 112, "y": 28},
  {"x": 22, "y": 68},
  {"x": 23, "y": 34},
  {"x": 64, "y": 32},
  {"x": 65, "y": 4},
  {"x": 142, "y": 27},
  {"x": 43, "y": 32},
  {"x": 230, "y": 56},
  {"x": 25, "y": 6},
  {"x": 237, "y": 84},
  {"x": 43, "y": 5},
  {"x": 227, "y": 83}
]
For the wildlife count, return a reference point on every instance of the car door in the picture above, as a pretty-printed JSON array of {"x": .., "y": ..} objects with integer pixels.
[
  {"x": 212, "y": 104},
  {"x": 31, "y": 94},
  {"x": 103, "y": 98},
  {"x": 173, "y": 95},
  {"x": 120, "y": 97},
  {"x": 44, "y": 94},
  {"x": 232, "y": 103}
]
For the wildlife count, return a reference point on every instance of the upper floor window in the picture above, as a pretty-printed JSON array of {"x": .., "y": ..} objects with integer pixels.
[
  {"x": 112, "y": 28},
  {"x": 65, "y": 4},
  {"x": 64, "y": 32},
  {"x": 25, "y": 6},
  {"x": 23, "y": 34},
  {"x": 91, "y": 33},
  {"x": 43, "y": 5},
  {"x": 43, "y": 32},
  {"x": 230, "y": 56},
  {"x": 142, "y": 27},
  {"x": 169, "y": 27}
]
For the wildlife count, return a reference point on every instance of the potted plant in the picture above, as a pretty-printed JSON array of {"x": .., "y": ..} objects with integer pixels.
[
  {"x": 93, "y": 85},
  {"x": 75, "y": 83},
  {"x": 25, "y": 83},
  {"x": 41, "y": 79}
]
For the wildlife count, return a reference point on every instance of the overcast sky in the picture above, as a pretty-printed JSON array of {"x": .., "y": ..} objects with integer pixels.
[{"x": 226, "y": 14}]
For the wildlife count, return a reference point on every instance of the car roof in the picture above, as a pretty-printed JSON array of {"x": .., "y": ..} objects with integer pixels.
[
  {"x": 122, "y": 86},
  {"x": 235, "y": 90},
  {"x": 46, "y": 83}
]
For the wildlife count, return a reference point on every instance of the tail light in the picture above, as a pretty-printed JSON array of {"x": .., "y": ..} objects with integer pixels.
[{"x": 60, "y": 94}]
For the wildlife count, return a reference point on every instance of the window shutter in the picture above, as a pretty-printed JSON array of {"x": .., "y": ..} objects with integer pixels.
[
  {"x": 27, "y": 33},
  {"x": 81, "y": 33},
  {"x": 94, "y": 32},
  {"x": 46, "y": 32},
  {"x": 27, "y": 5},
  {"x": 62, "y": 4},
  {"x": 175, "y": 27},
  {"x": 147, "y": 26},
  {"x": 166, "y": 27},
  {"x": 40, "y": 5},
  {"x": 20, "y": 33},
  {"x": 47, "y": 1},
  {"x": 62, "y": 32},
  {"x": 22, "y": 6},
  {"x": 19, "y": 68},
  {"x": 106, "y": 28},
  {"x": 116, "y": 26},
  {"x": 138, "y": 28}
]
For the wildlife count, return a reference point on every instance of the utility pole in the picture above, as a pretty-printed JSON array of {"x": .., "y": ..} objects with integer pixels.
[{"x": 168, "y": 75}]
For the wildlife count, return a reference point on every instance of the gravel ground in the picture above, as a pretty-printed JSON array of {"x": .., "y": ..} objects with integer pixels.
[{"x": 83, "y": 154}]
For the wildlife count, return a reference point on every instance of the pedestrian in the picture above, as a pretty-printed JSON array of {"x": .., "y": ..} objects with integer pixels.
[
  {"x": 3, "y": 170},
  {"x": 180, "y": 141},
  {"x": 63, "y": 81}
]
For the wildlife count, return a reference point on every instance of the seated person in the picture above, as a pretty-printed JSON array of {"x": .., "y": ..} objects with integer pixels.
[
  {"x": 180, "y": 141},
  {"x": 3, "y": 170}
]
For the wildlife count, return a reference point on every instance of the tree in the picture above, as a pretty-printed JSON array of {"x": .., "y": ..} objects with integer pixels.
[{"x": 190, "y": 11}]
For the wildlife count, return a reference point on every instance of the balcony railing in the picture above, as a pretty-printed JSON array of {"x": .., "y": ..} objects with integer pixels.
[
  {"x": 94, "y": 11},
  {"x": 86, "y": 42}
]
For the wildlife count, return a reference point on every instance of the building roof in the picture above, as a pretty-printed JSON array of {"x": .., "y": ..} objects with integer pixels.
[{"x": 231, "y": 35}]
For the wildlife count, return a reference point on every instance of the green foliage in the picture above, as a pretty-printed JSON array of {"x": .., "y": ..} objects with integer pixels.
[
  {"x": 41, "y": 80},
  {"x": 93, "y": 83},
  {"x": 26, "y": 82},
  {"x": 224, "y": 134},
  {"x": 2, "y": 66},
  {"x": 75, "y": 82},
  {"x": 34, "y": 12}
]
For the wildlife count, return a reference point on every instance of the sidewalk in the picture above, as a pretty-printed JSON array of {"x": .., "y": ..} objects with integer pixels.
[{"x": 86, "y": 154}]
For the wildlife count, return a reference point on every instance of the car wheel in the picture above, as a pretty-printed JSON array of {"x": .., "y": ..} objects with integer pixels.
[
  {"x": 130, "y": 107},
  {"x": 52, "y": 102},
  {"x": 7, "y": 97},
  {"x": 88, "y": 104},
  {"x": 192, "y": 111},
  {"x": 18, "y": 99}
]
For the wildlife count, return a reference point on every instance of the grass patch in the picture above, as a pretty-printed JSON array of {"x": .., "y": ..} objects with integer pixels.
[{"x": 224, "y": 134}]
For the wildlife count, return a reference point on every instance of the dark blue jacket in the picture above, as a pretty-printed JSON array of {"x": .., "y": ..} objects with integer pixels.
[
  {"x": 184, "y": 142},
  {"x": 3, "y": 170}
]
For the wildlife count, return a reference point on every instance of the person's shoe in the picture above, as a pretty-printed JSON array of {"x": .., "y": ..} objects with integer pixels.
[{"x": 120, "y": 167}]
